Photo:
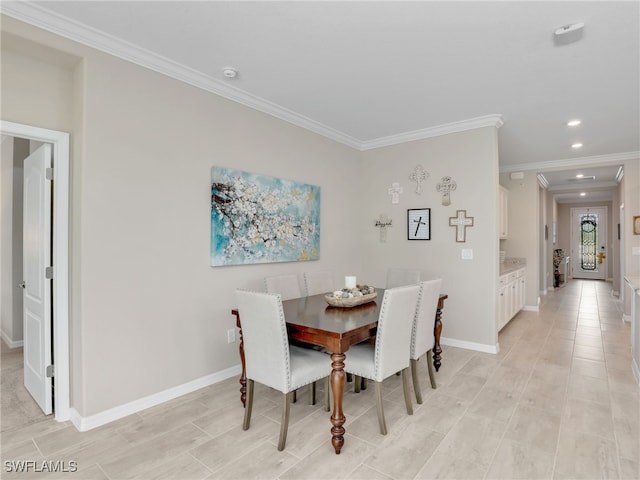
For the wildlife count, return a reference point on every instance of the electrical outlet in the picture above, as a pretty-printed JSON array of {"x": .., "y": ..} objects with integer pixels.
[{"x": 231, "y": 335}]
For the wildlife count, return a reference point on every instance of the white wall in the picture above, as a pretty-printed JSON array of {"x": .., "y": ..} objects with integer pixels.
[
  {"x": 471, "y": 159},
  {"x": 148, "y": 313}
]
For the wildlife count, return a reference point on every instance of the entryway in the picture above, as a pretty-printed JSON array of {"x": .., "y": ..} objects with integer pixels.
[
  {"x": 589, "y": 243},
  {"x": 54, "y": 334}
]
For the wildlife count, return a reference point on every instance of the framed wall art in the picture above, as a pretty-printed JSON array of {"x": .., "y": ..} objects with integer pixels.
[
  {"x": 419, "y": 224},
  {"x": 261, "y": 219},
  {"x": 636, "y": 225}
]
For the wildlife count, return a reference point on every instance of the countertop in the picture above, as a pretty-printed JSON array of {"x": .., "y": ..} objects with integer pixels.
[{"x": 511, "y": 265}]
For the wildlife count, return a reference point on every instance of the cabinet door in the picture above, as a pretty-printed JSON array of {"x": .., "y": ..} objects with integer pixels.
[{"x": 503, "y": 306}]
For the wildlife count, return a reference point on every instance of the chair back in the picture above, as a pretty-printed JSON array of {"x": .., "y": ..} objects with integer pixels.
[
  {"x": 318, "y": 282},
  {"x": 264, "y": 334},
  {"x": 286, "y": 285},
  {"x": 423, "y": 338},
  {"x": 393, "y": 337},
  {"x": 398, "y": 277}
]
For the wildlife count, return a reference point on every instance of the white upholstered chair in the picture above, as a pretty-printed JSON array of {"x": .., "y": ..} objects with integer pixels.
[
  {"x": 318, "y": 282},
  {"x": 269, "y": 358},
  {"x": 397, "y": 277},
  {"x": 391, "y": 351},
  {"x": 423, "y": 337},
  {"x": 286, "y": 285}
]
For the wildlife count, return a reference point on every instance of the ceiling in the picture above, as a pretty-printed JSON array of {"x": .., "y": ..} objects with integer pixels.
[{"x": 370, "y": 74}]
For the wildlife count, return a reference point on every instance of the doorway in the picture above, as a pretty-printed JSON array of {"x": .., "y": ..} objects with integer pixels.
[
  {"x": 59, "y": 142},
  {"x": 589, "y": 243}
]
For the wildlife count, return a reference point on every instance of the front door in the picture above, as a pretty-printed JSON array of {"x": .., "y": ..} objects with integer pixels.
[
  {"x": 37, "y": 288},
  {"x": 589, "y": 242}
]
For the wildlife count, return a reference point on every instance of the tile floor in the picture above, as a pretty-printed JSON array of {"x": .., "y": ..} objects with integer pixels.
[{"x": 559, "y": 401}]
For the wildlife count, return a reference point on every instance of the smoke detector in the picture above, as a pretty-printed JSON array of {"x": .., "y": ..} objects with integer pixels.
[
  {"x": 229, "y": 72},
  {"x": 572, "y": 27}
]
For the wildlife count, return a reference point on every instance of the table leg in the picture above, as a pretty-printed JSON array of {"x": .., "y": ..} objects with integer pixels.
[
  {"x": 337, "y": 386},
  {"x": 243, "y": 375},
  {"x": 437, "y": 330}
]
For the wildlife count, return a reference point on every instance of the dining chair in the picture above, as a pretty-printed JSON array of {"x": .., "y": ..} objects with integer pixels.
[
  {"x": 422, "y": 336},
  {"x": 397, "y": 277},
  {"x": 269, "y": 359},
  {"x": 318, "y": 282},
  {"x": 390, "y": 354},
  {"x": 286, "y": 285}
]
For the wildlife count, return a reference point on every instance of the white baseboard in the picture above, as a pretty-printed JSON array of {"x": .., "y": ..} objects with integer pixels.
[
  {"x": 479, "y": 347},
  {"x": 11, "y": 343},
  {"x": 636, "y": 370},
  {"x": 96, "y": 420},
  {"x": 531, "y": 308}
]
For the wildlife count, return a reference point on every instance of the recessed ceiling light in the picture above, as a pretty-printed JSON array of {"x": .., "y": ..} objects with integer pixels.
[
  {"x": 580, "y": 175},
  {"x": 583, "y": 194},
  {"x": 576, "y": 145},
  {"x": 574, "y": 123}
]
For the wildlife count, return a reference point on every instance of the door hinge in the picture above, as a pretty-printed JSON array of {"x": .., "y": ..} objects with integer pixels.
[
  {"x": 48, "y": 273},
  {"x": 48, "y": 173},
  {"x": 51, "y": 371}
]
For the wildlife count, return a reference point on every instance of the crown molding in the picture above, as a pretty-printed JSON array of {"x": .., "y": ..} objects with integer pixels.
[
  {"x": 65, "y": 27},
  {"x": 573, "y": 162},
  {"x": 494, "y": 120},
  {"x": 48, "y": 20},
  {"x": 582, "y": 186}
]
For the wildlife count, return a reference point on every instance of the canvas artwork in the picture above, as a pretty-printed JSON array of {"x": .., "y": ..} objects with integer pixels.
[{"x": 261, "y": 219}]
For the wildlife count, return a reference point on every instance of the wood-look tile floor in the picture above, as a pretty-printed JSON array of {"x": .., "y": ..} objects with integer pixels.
[{"x": 558, "y": 402}]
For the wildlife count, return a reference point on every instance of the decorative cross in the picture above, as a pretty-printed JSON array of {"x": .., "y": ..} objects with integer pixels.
[
  {"x": 445, "y": 186},
  {"x": 419, "y": 175},
  {"x": 395, "y": 192},
  {"x": 383, "y": 223},
  {"x": 461, "y": 222}
]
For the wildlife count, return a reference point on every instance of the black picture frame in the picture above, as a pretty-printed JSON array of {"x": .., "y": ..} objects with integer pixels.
[{"x": 419, "y": 224}]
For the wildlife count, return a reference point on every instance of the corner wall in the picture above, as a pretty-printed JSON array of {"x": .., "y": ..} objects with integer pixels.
[{"x": 471, "y": 159}]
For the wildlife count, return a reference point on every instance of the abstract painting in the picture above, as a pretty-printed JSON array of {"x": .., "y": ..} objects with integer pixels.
[{"x": 261, "y": 219}]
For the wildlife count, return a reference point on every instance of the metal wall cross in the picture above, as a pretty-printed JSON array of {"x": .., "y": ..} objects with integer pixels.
[
  {"x": 445, "y": 186},
  {"x": 383, "y": 223},
  {"x": 461, "y": 222},
  {"x": 419, "y": 175},
  {"x": 395, "y": 192}
]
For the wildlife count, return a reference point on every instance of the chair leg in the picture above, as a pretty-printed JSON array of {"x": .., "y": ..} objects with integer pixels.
[
  {"x": 432, "y": 375},
  {"x": 284, "y": 423},
  {"x": 356, "y": 384},
  {"x": 416, "y": 380},
  {"x": 363, "y": 383},
  {"x": 380, "y": 409},
  {"x": 312, "y": 394},
  {"x": 407, "y": 390},
  {"x": 248, "y": 406},
  {"x": 294, "y": 397}
]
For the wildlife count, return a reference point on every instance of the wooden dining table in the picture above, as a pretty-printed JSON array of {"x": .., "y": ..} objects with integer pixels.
[{"x": 312, "y": 320}]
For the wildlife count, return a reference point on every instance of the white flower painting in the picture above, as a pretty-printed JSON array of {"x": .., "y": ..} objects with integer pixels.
[{"x": 261, "y": 219}]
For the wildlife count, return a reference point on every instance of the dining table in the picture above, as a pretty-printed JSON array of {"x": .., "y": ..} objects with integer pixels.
[{"x": 312, "y": 320}]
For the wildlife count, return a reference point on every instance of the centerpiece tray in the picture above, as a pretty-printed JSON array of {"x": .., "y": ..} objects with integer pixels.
[{"x": 350, "y": 302}]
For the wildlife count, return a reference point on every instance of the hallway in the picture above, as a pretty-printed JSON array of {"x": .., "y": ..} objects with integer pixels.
[{"x": 558, "y": 402}]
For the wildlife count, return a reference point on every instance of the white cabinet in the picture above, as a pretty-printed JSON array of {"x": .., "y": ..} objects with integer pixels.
[
  {"x": 503, "y": 195},
  {"x": 511, "y": 295}
]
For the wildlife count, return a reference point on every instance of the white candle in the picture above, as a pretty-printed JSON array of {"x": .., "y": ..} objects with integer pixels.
[{"x": 350, "y": 282}]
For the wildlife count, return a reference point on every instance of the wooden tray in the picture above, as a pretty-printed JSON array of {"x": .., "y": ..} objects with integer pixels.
[{"x": 350, "y": 302}]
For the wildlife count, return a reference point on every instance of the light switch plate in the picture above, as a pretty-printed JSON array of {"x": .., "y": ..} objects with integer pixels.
[{"x": 467, "y": 253}]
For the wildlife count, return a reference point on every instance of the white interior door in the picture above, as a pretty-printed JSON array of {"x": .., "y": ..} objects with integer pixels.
[
  {"x": 589, "y": 242},
  {"x": 37, "y": 288}
]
